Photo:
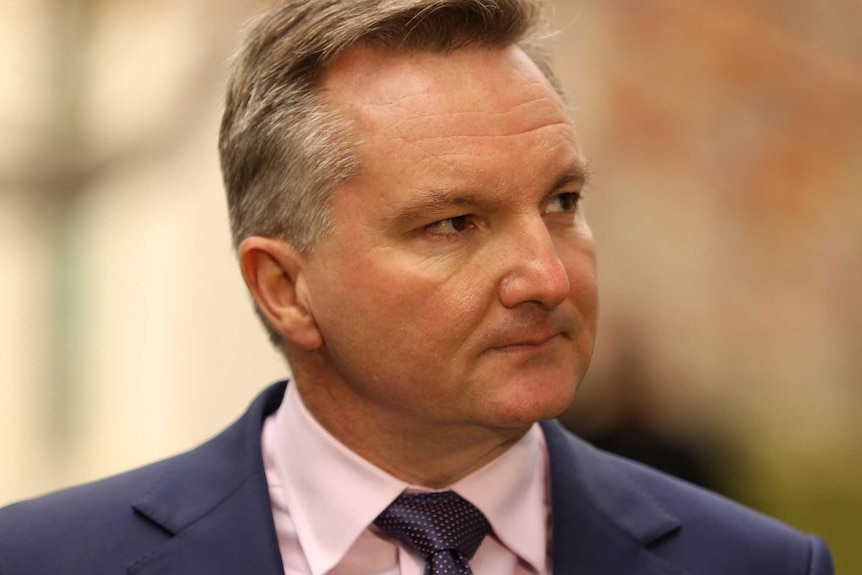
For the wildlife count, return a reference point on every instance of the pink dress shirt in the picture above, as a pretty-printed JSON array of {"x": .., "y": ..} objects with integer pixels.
[{"x": 325, "y": 497}]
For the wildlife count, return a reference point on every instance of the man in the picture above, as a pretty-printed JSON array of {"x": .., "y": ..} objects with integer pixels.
[{"x": 404, "y": 181}]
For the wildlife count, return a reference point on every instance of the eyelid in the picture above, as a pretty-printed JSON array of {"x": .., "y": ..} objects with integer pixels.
[
  {"x": 428, "y": 228},
  {"x": 575, "y": 198}
]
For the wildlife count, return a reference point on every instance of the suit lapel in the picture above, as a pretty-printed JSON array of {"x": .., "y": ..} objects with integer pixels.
[
  {"x": 603, "y": 523},
  {"x": 213, "y": 504}
]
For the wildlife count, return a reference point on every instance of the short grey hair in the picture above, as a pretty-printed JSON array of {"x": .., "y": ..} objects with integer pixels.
[{"x": 283, "y": 150}]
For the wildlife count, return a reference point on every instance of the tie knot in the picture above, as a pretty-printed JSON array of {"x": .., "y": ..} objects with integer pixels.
[{"x": 433, "y": 522}]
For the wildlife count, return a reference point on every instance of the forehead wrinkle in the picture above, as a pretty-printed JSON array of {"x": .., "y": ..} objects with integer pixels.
[
  {"x": 406, "y": 138},
  {"x": 474, "y": 123},
  {"x": 437, "y": 94}
]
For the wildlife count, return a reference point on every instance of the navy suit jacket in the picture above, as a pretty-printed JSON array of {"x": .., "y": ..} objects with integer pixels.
[{"x": 208, "y": 512}]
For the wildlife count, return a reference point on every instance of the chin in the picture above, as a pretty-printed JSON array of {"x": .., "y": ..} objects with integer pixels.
[{"x": 532, "y": 403}]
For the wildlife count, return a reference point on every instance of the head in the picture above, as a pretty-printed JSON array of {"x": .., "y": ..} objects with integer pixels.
[
  {"x": 284, "y": 150},
  {"x": 403, "y": 180}
]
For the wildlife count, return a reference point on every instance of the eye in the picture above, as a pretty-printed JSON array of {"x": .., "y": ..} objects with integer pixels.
[
  {"x": 451, "y": 226},
  {"x": 566, "y": 202}
]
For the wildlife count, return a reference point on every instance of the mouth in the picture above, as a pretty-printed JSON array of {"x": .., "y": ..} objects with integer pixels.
[{"x": 529, "y": 343}]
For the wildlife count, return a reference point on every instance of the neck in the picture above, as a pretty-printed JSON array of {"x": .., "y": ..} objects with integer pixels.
[
  {"x": 431, "y": 454},
  {"x": 435, "y": 461}
]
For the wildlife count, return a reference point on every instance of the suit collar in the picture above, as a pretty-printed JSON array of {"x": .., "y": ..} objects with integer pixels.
[
  {"x": 603, "y": 522},
  {"x": 214, "y": 502}
]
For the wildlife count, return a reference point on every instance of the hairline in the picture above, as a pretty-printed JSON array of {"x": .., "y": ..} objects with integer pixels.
[{"x": 351, "y": 138}]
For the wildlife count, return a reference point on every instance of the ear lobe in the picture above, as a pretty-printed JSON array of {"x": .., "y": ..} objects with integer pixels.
[{"x": 273, "y": 271}]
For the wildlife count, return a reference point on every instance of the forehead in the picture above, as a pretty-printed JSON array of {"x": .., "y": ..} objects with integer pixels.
[
  {"x": 456, "y": 116},
  {"x": 371, "y": 83}
]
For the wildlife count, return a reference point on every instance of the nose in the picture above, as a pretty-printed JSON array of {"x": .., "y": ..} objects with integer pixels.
[{"x": 533, "y": 270}]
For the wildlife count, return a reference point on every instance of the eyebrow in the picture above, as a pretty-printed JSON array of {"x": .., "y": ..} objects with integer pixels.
[
  {"x": 429, "y": 203},
  {"x": 578, "y": 174}
]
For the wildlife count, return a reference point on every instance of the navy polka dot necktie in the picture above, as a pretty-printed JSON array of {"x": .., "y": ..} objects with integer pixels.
[{"x": 442, "y": 527}]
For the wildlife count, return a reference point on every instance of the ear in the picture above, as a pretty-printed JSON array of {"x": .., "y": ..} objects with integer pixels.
[{"x": 273, "y": 270}]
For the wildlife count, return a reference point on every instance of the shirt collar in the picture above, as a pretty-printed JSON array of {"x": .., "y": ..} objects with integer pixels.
[
  {"x": 512, "y": 492},
  {"x": 330, "y": 513}
]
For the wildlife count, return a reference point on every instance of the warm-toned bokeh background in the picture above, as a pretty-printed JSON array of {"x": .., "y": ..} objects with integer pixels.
[{"x": 726, "y": 140}]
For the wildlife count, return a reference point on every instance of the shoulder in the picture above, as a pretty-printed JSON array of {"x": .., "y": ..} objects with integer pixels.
[
  {"x": 685, "y": 525},
  {"x": 715, "y": 530},
  {"x": 91, "y": 525},
  {"x": 110, "y": 525}
]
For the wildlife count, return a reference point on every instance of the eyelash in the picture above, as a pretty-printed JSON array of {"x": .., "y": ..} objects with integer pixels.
[
  {"x": 565, "y": 198},
  {"x": 568, "y": 202},
  {"x": 453, "y": 219}
]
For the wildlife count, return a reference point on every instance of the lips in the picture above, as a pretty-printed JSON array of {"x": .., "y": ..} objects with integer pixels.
[
  {"x": 530, "y": 341},
  {"x": 525, "y": 337}
]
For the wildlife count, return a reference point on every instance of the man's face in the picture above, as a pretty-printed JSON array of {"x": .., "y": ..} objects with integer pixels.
[{"x": 459, "y": 283}]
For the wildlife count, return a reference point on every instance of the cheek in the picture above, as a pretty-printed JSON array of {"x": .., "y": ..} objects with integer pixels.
[
  {"x": 581, "y": 266},
  {"x": 585, "y": 293},
  {"x": 401, "y": 304}
]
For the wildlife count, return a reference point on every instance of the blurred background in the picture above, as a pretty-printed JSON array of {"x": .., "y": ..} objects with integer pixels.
[{"x": 726, "y": 141}]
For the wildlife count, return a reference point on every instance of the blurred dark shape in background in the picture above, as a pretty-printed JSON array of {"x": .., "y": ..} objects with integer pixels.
[{"x": 625, "y": 421}]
